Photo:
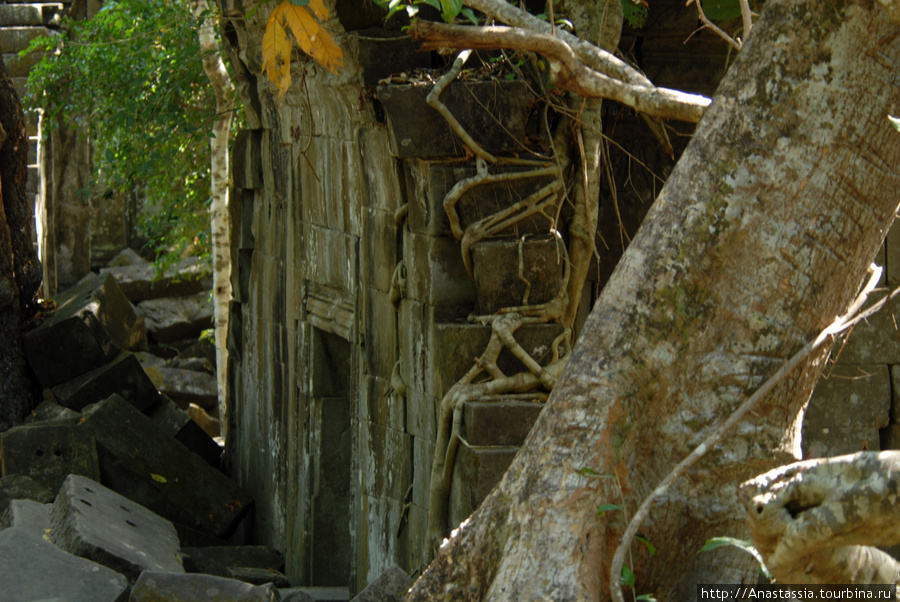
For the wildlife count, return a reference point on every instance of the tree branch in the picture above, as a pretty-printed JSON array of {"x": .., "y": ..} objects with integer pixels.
[{"x": 567, "y": 71}]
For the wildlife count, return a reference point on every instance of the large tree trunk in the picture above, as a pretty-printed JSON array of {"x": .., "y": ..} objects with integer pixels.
[
  {"x": 758, "y": 240},
  {"x": 20, "y": 272}
]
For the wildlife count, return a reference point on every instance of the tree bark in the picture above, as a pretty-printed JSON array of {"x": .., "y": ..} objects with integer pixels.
[
  {"x": 20, "y": 271},
  {"x": 758, "y": 240},
  {"x": 218, "y": 210}
]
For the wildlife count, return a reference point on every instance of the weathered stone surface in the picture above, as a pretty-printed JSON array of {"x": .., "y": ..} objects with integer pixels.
[
  {"x": 185, "y": 386},
  {"x": 295, "y": 594},
  {"x": 495, "y": 114},
  {"x": 18, "y": 38},
  {"x": 156, "y": 586},
  {"x": 873, "y": 340},
  {"x": 177, "y": 423},
  {"x": 499, "y": 272},
  {"x": 475, "y": 472},
  {"x": 28, "y": 515},
  {"x": 172, "y": 318},
  {"x": 139, "y": 281},
  {"x": 22, "y": 487},
  {"x": 94, "y": 522},
  {"x": 27, "y": 560},
  {"x": 499, "y": 422},
  {"x": 211, "y": 426},
  {"x": 185, "y": 489},
  {"x": 836, "y": 440},
  {"x": 851, "y": 396},
  {"x": 123, "y": 376},
  {"x": 50, "y": 410},
  {"x": 435, "y": 272},
  {"x": 92, "y": 322},
  {"x": 391, "y": 586},
  {"x": 216, "y": 560},
  {"x": 48, "y": 452}
]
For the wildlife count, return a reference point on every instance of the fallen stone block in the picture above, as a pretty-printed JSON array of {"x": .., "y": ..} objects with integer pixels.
[
  {"x": 140, "y": 461},
  {"x": 28, "y": 515},
  {"x": 22, "y": 487},
  {"x": 211, "y": 426},
  {"x": 391, "y": 586},
  {"x": 178, "y": 424},
  {"x": 173, "y": 318},
  {"x": 185, "y": 387},
  {"x": 48, "y": 452},
  {"x": 315, "y": 594},
  {"x": 48, "y": 411},
  {"x": 139, "y": 280},
  {"x": 295, "y": 595},
  {"x": 92, "y": 322},
  {"x": 26, "y": 562},
  {"x": 96, "y": 523},
  {"x": 173, "y": 587},
  {"x": 123, "y": 376},
  {"x": 217, "y": 560}
]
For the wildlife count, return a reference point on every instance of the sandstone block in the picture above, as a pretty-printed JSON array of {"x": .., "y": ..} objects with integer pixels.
[
  {"x": 871, "y": 341},
  {"x": 48, "y": 452},
  {"x": 141, "y": 462},
  {"x": 26, "y": 561},
  {"x": 475, "y": 472},
  {"x": 177, "y": 423},
  {"x": 153, "y": 586},
  {"x": 123, "y": 376},
  {"x": 216, "y": 560},
  {"x": 852, "y": 396},
  {"x": 92, "y": 322},
  {"x": 435, "y": 272},
  {"x": 391, "y": 586},
  {"x": 185, "y": 386},
  {"x": 21, "y": 487},
  {"x": 836, "y": 440},
  {"x": 499, "y": 422},
  {"x": 96, "y": 523},
  {"x": 27, "y": 515},
  {"x": 173, "y": 318},
  {"x": 51, "y": 411},
  {"x": 140, "y": 281}
]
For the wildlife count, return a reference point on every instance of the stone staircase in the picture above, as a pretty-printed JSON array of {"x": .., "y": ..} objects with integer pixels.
[{"x": 19, "y": 25}]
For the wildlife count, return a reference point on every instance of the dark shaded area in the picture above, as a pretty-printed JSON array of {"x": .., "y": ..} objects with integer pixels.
[{"x": 20, "y": 273}]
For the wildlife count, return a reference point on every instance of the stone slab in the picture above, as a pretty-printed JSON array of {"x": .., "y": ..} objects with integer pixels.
[
  {"x": 495, "y": 114},
  {"x": 257, "y": 576},
  {"x": 49, "y": 410},
  {"x": 153, "y": 586},
  {"x": 499, "y": 422},
  {"x": 141, "y": 462},
  {"x": 316, "y": 594},
  {"x": 28, "y": 515},
  {"x": 185, "y": 386},
  {"x": 435, "y": 272},
  {"x": 178, "y": 424},
  {"x": 475, "y": 472},
  {"x": 216, "y": 560},
  {"x": 27, "y": 560},
  {"x": 140, "y": 281},
  {"x": 123, "y": 376},
  {"x": 29, "y": 14},
  {"x": 22, "y": 487},
  {"x": 16, "y": 38},
  {"x": 94, "y": 522},
  {"x": 872, "y": 341},
  {"x": 836, "y": 441},
  {"x": 48, "y": 452},
  {"x": 171, "y": 319},
  {"x": 851, "y": 396},
  {"x": 391, "y": 586},
  {"x": 513, "y": 272},
  {"x": 92, "y": 322}
]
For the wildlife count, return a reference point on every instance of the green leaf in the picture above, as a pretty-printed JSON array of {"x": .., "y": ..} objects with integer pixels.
[
  {"x": 650, "y": 547},
  {"x": 468, "y": 14},
  {"x": 627, "y": 576},
  {"x": 646, "y": 598},
  {"x": 635, "y": 14},
  {"x": 718, "y": 542},
  {"x": 299, "y": 2},
  {"x": 604, "y": 508}
]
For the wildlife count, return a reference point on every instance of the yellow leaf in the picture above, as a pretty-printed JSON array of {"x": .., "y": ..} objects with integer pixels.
[
  {"x": 318, "y": 8},
  {"x": 158, "y": 478},
  {"x": 312, "y": 38},
  {"x": 276, "y": 51}
]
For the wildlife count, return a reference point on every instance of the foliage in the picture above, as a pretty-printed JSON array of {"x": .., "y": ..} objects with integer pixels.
[
  {"x": 131, "y": 77},
  {"x": 635, "y": 12},
  {"x": 311, "y": 37},
  {"x": 449, "y": 9}
]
